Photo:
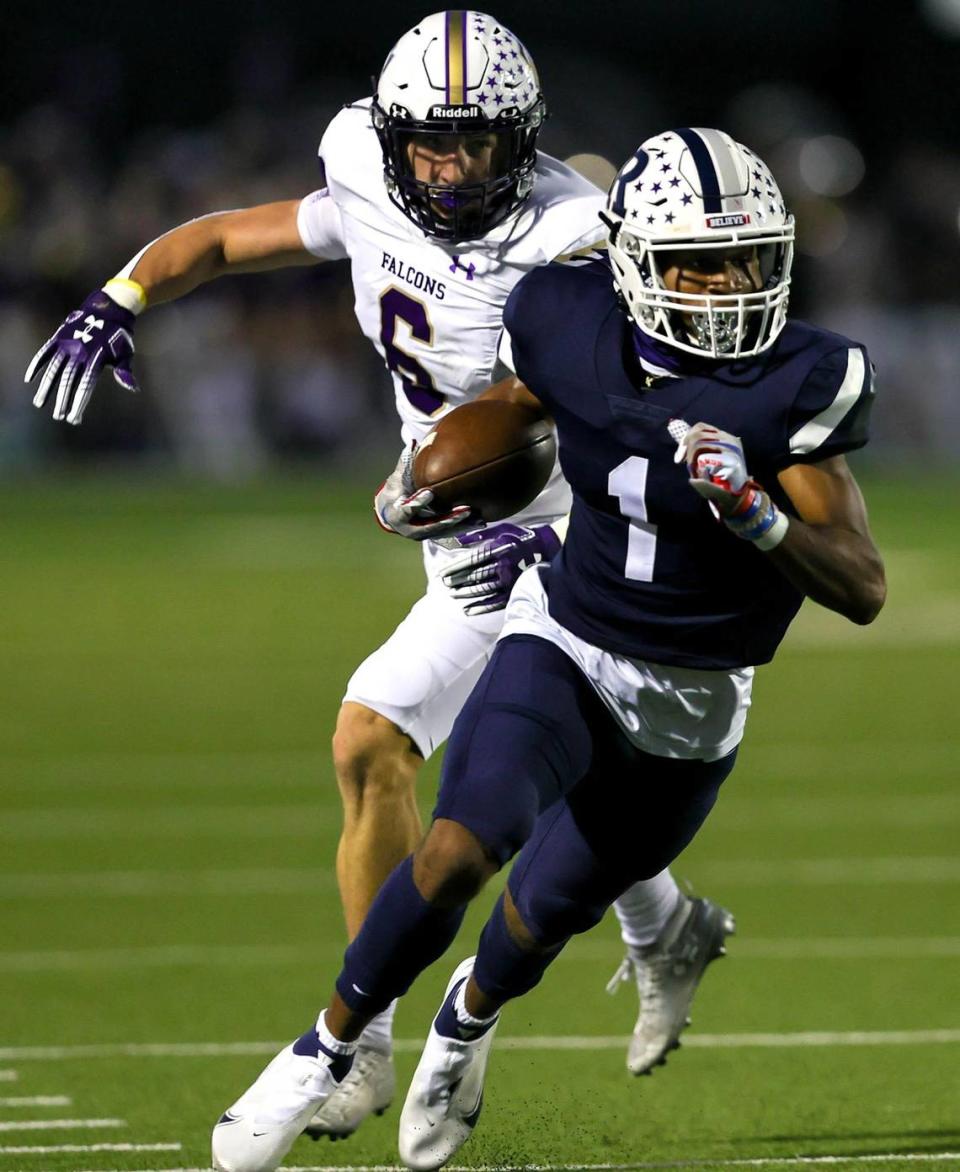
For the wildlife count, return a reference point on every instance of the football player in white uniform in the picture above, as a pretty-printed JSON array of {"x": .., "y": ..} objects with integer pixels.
[{"x": 437, "y": 195}]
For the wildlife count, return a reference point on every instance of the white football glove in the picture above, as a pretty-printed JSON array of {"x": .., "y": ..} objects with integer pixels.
[
  {"x": 718, "y": 472},
  {"x": 400, "y": 507},
  {"x": 718, "y": 468}
]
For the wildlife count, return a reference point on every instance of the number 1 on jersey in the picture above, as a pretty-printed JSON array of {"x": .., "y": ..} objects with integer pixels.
[{"x": 628, "y": 483}]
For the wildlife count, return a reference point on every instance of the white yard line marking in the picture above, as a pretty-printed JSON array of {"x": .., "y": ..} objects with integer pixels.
[
  {"x": 851, "y": 809},
  {"x": 645, "y": 1166},
  {"x": 167, "y": 956},
  {"x": 240, "y": 882},
  {"x": 229, "y": 883},
  {"x": 59, "y": 1124},
  {"x": 187, "y": 770},
  {"x": 291, "y": 881},
  {"x": 651, "y": 1165},
  {"x": 588, "y": 949},
  {"x": 897, "y": 948},
  {"x": 744, "y": 1041},
  {"x": 851, "y": 948},
  {"x": 50, "y": 1149},
  {"x": 814, "y": 872},
  {"x": 37, "y": 1101},
  {"x": 8, "y": 1076},
  {"x": 218, "y": 822},
  {"x": 575, "y": 1042}
]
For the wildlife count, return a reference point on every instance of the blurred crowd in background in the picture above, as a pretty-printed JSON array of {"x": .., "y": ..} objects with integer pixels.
[{"x": 252, "y": 371}]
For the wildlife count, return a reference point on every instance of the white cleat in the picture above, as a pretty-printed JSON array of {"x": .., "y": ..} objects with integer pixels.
[
  {"x": 445, "y": 1097},
  {"x": 667, "y": 974},
  {"x": 259, "y": 1129},
  {"x": 367, "y": 1090}
]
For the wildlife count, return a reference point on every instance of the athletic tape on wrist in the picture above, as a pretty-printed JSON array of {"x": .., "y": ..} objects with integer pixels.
[
  {"x": 128, "y": 294},
  {"x": 775, "y": 534},
  {"x": 764, "y": 526},
  {"x": 753, "y": 506}
]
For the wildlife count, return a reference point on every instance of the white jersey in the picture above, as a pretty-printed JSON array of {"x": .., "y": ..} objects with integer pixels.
[{"x": 433, "y": 309}]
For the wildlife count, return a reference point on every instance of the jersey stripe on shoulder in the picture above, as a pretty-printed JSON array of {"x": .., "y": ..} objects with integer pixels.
[
  {"x": 815, "y": 431},
  {"x": 585, "y": 255}
]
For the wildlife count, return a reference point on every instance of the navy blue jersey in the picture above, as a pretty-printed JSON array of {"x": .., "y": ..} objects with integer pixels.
[{"x": 647, "y": 570}]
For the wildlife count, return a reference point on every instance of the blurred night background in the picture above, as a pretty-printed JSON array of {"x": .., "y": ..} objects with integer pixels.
[{"x": 122, "y": 120}]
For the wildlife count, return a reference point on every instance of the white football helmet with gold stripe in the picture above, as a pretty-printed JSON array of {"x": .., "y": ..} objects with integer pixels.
[
  {"x": 457, "y": 77},
  {"x": 692, "y": 191}
]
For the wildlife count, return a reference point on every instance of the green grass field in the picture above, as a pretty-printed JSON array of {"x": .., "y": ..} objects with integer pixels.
[{"x": 173, "y": 659}]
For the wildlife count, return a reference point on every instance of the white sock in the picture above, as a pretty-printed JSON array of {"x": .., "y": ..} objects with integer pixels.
[
  {"x": 379, "y": 1033},
  {"x": 464, "y": 1016},
  {"x": 335, "y": 1045},
  {"x": 644, "y": 909}
]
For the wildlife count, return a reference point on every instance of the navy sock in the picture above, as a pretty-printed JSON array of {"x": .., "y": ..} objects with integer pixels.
[
  {"x": 503, "y": 969},
  {"x": 309, "y": 1043},
  {"x": 402, "y": 935}
]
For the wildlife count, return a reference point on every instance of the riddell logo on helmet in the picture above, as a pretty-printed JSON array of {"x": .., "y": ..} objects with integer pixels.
[
  {"x": 734, "y": 220},
  {"x": 455, "y": 112}
]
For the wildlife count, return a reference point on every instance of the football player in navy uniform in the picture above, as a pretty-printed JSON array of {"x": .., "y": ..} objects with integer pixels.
[
  {"x": 704, "y": 437},
  {"x": 436, "y": 192}
]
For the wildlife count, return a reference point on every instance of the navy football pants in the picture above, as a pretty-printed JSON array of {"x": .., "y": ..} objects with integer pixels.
[{"x": 537, "y": 765}]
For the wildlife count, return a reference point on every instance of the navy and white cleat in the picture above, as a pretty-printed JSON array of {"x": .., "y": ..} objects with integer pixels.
[
  {"x": 259, "y": 1129},
  {"x": 367, "y": 1090},
  {"x": 446, "y": 1095},
  {"x": 667, "y": 974}
]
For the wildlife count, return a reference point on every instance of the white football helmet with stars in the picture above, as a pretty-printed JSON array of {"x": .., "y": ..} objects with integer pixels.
[
  {"x": 459, "y": 73},
  {"x": 697, "y": 189}
]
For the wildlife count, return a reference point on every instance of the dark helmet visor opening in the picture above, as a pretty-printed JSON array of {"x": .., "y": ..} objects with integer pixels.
[{"x": 496, "y": 160}]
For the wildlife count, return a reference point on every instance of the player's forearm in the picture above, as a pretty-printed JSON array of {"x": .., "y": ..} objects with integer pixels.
[
  {"x": 838, "y": 568},
  {"x": 512, "y": 390},
  {"x": 249, "y": 240}
]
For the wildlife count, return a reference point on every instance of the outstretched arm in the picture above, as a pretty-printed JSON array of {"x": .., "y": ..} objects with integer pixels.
[
  {"x": 245, "y": 241},
  {"x": 100, "y": 333}
]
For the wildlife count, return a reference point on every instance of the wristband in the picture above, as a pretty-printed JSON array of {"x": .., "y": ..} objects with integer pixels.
[
  {"x": 129, "y": 295},
  {"x": 775, "y": 534},
  {"x": 764, "y": 525}
]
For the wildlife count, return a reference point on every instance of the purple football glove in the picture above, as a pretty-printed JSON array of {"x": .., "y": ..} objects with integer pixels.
[
  {"x": 98, "y": 334},
  {"x": 500, "y": 553}
]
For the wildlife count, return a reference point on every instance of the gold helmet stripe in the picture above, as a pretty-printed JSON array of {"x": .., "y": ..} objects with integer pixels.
[{"x": 456, "y": 57}]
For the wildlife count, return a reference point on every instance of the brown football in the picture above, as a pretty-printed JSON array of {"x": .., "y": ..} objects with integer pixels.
[{"x": 491, "y": 455}]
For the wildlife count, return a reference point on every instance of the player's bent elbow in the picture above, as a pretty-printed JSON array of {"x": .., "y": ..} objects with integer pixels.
[{"x": 871, "y": 595}]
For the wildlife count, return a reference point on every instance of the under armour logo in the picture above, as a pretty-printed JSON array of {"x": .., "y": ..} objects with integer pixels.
[
  {"x": 470, "y": 268},
  {"x": 526, "y": 563},
  {"x": 90, "y": 323}
]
